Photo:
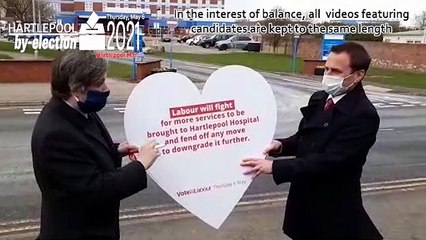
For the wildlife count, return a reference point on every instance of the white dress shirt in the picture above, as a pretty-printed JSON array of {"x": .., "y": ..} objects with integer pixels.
[{"x": 337, "y": 98}]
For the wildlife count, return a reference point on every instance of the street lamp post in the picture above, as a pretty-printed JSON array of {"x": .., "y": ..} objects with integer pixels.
[
  {"x": 424, "y": 35},
  {"x": 39, "y": 15},
  {"x": 34, "y": 22},
  {"x": 296, "y": 39},
  {"x": 171, "y": 54},
  {"x": 157, "y": 29}
]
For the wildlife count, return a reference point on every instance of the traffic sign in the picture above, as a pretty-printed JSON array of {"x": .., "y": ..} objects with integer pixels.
[{"x": 328, "y": 42}]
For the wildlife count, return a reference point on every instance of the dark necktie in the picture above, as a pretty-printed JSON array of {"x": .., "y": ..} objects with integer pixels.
[{"x": 329, "y": 104}]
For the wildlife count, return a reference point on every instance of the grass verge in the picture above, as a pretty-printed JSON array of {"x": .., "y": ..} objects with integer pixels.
[
  {"x": 3, "y": 56},
  {"x": 282, "y": 63},
  {"x": 398, "y": 78},
  {"x": 120, "y": 71},
  {"x": 259, "y": 61},
  {"x": 9, "y": 47}
]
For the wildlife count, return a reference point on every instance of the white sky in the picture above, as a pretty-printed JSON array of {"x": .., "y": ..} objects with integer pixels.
[{"x": 413, "y": 6}]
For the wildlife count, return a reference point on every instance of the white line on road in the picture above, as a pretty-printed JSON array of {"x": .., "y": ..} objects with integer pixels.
[
  {"x": 388, "y": 106},
  {"x": 8, "y": 108},
  {"x": 386, "y": 129},
  {"x": 32, "y": 113},
  {"x": 395, "y": 181},
  {"x": 378, "y": 104},
  {"x": 390, "y": 187},
  {"x": 32, "y": 109},
  {"x": 408, "y": 105},
  {"x": 119, "y": 108}
]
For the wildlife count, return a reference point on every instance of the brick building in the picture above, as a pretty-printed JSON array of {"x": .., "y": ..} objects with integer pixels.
[
  {"x": 160, "y": 12},
  {"x": 158, "y": 8}
]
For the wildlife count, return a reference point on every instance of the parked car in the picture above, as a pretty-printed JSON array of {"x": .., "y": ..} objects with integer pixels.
[
  {"x": 3, "y": 27},
  {"x": 200, "y": 39},
  {"x": 239, "y": 42},
  {"x": 10, "y": 36},
  {"x": 41, "y": 36},
  {"x": 166, "y": 39},
  {"x": 4, "y": 33},
  {"x": 252, "y": 47},
  {"x": 185, "y": 38},
  {"x": 195, "y": 40},
  {"x": 211, "y": 41}
]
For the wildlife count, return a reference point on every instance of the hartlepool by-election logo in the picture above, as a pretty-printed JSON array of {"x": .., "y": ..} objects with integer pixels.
[{"x": 91, "y": 36}]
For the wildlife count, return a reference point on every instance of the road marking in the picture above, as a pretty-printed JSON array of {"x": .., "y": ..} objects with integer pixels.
[
  {"x": 31, "y": 111},
  {"x": 395, "y": 181},
  {"x": 396, "y": 103},
  {"x": 386, "y": 129},
  {"x": 408, "y": 105},
  {"x": 8, "y": 108},
  {"x": 392, "y": 187},
  {"x": 120, "y": 109},
  {"x": 388, "y": 106},
  {"x": 378, "y": 104}
]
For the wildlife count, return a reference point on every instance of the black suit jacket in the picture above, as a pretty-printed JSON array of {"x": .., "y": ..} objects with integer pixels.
[
  {"x": 324, "y": 201},
  {"x": 78, "y": 170}
]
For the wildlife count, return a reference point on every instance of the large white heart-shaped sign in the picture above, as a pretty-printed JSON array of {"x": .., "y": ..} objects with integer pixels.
[{"x": 206, "y": 135}]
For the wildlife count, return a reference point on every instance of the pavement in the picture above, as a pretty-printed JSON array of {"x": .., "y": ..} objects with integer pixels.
[
  {"x": 34, "y": 94},
  {"x": 17, "y": 55},
  {"x": 398, "y": 214}
]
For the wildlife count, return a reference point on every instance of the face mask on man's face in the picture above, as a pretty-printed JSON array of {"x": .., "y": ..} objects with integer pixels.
[
  {"x": 95, "y": 101},
  {"x": 334, "y": 85}
]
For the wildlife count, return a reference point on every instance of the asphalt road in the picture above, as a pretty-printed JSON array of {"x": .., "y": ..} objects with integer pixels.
[{"x": 398, "y": 153}]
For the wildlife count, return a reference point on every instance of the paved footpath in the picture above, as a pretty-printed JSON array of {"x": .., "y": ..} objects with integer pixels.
[
  {"x": 399, "y": 215},
  {"x": 36, "y": 94}
]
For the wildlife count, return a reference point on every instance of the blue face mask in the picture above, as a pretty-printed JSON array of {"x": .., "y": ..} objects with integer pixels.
[{"x": 95, "y": 101}]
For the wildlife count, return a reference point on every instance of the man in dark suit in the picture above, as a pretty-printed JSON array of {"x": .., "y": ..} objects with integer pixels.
[
  {"x": 338, "y": 128},
  {"x": 76, "y": 164}
]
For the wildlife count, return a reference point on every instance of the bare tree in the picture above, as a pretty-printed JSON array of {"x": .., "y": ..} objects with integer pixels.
[
  {"x": 421, "y": 20},
  {"x": 46, "y": 11},
  {"x": 22, "y": 10},
  {"x": 275, "y": 40}
]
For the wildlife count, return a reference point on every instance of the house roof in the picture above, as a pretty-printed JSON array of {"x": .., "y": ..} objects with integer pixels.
[{"x": 407, "y": 33}]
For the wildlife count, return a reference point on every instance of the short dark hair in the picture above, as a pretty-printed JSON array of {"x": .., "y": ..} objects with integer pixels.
[
  {"x": 359, "y": 58},
  {"x": 75, "y": 70}
]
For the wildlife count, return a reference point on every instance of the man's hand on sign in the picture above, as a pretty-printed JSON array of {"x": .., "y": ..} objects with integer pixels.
[
  {"x": 257, "y": 166},
  {"x": 125, "y": 148},
  {"x": 273, "y": 148},
  {"x": 148, "y": 153}
]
